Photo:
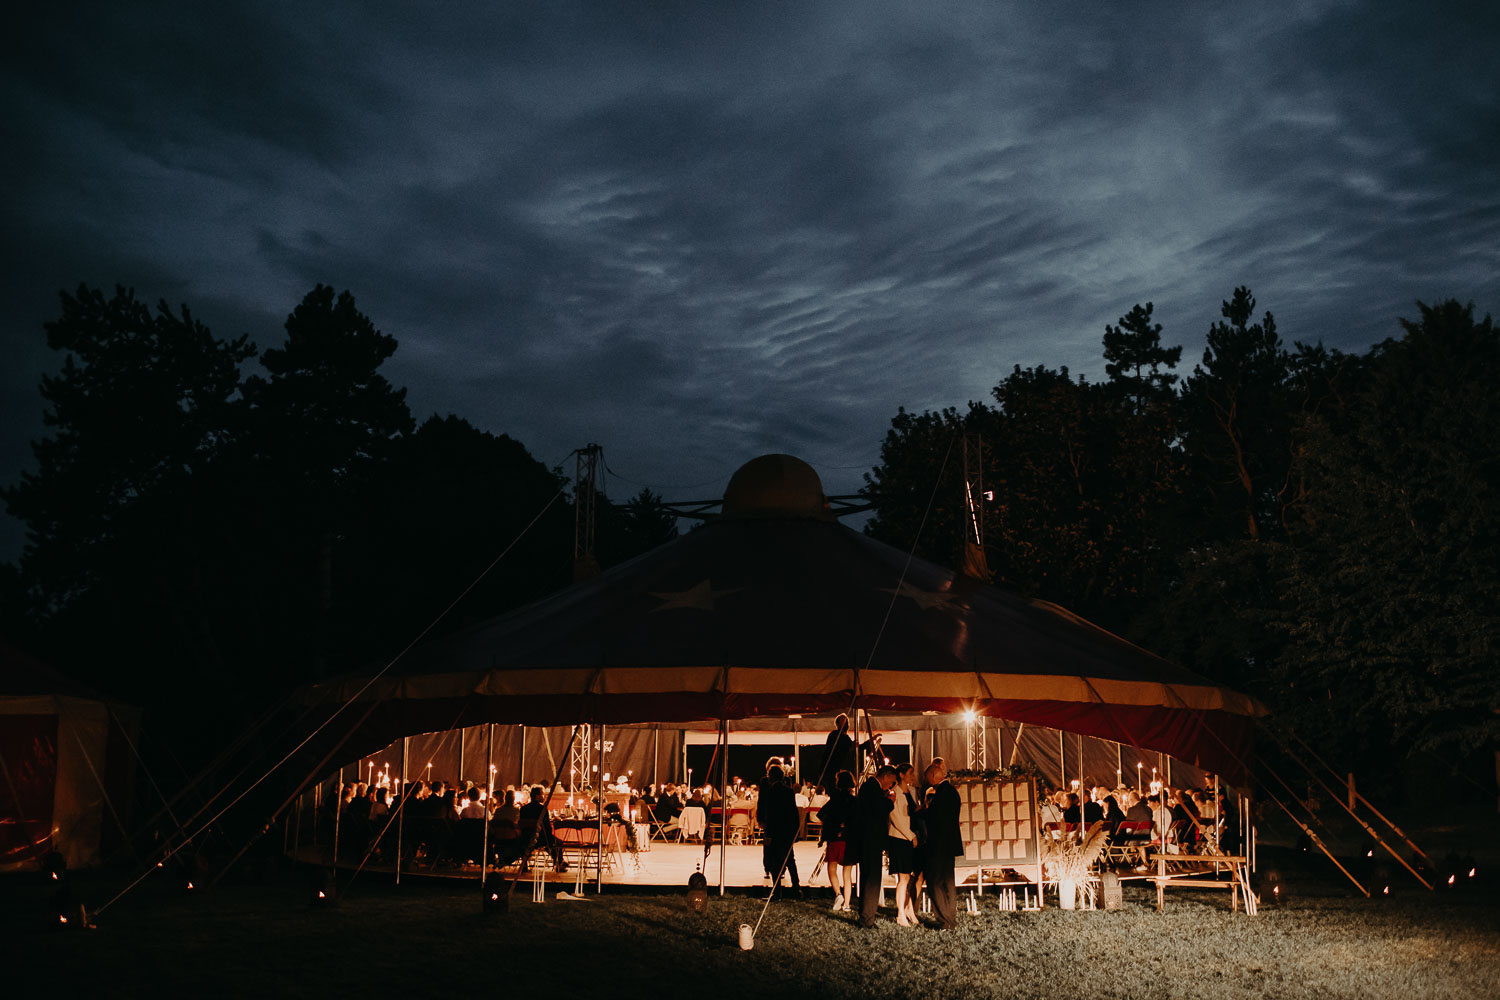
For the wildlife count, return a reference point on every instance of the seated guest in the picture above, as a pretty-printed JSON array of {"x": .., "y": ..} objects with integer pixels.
[
  {"x": 1093, "y": 812},
  {"x": 1139, "y": 811},
  {"x": 508, "y": 814},
  {"x": 534, "y": 821},
  {"x": 1113, "y": 814},
  {"x": 668, "y": 805},
  {"x": 1070, "y": 813},
  {"x": 1051, "y": 812}
]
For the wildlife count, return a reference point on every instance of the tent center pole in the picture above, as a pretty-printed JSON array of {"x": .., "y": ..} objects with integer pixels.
[{"x": 402, "y": 795}]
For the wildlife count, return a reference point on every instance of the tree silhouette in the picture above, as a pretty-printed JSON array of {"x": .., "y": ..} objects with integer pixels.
[
  {"x": 320, "y": 426},
  {"x": 1237, "y": 421},
  {"x": 1135, "y": 358}
]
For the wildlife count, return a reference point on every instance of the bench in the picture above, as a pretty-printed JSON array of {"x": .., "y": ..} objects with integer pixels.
[{"x": 1233, "y": 861}]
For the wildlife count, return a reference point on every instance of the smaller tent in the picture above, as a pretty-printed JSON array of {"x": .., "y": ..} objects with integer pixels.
[{"x": 66, "y": 766}]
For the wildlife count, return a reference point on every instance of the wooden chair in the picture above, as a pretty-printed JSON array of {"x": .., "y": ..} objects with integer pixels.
[
  {"x": 1129, "y": 842},
  {"x": 739, "y": 826}
]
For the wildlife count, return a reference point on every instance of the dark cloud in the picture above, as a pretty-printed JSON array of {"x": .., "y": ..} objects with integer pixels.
[{"x": 697, "y": 232}]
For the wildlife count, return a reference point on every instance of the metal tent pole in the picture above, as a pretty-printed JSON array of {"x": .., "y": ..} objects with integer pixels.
[
  {"x": 338, "y": 812},
  {"x": 796, "y": 758},
  {"x": 521, "y": 781},
  {"x": 1082, "y": 792},
  {"x": 599, "y": 862},
  {"x": 400, "y": 812},
  {"x": 1062, "y": 762},
  {"x": 723, "y": 801},
  {"x": 484, "y": 846}
]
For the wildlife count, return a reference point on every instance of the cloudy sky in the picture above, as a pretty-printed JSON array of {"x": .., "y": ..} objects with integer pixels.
[{"x": 699, "y": 232}]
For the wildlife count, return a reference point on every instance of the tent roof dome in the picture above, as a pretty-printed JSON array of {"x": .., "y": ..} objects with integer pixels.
[{"x": 776, "y": 486}]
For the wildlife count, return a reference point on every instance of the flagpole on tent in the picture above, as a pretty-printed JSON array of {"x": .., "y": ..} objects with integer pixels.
[{"x": 401, "y": 813}]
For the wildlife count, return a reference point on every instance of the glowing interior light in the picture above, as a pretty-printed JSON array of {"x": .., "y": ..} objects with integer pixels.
[
  {"x": 1386, "y": 891},
  {"x": 61, "y": 919},
  {"x": 1451, "y": 878},
  {"x": 1473, "y": 872},
  {"x": 970, "y": 715},
  {"x": 321, "y": 895},
  {"x": 190, "y": 885}
]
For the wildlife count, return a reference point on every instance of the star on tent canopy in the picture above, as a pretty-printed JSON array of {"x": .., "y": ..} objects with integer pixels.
[
  {"x": 699, "y": 597},
  {"x": 925, "y": 598}
]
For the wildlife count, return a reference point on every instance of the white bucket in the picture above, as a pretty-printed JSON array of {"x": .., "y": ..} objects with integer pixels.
[{"x": 747, "y": 937}]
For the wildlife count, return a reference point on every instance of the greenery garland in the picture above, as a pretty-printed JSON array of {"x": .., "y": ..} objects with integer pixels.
[{"x": 1015, "y": 772}]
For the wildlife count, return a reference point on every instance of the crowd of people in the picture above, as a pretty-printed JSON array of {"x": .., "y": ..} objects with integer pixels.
[
  {"x": 1190, "y": 820},
  {"x": 889, "y": 819}
]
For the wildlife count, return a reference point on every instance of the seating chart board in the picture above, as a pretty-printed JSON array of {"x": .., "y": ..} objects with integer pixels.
[{"x": 998, "y": 820}]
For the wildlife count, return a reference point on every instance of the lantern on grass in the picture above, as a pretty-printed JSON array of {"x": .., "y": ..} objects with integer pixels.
[
  {"x": 1110, "y": 891},
  {"x": 322, "y": 888},
  {"x": 1272, "y": 889},
  {"x": 496, "y": 893},
  {"x": 1380, "y": 882},
  {"x": 697, "y": 894}
]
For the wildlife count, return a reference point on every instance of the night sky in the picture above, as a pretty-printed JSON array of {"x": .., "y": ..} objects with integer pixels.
[{"x": 696, "y": 233}]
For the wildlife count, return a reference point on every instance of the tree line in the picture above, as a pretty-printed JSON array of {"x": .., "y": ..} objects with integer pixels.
[
  {"x": 210, "y": 525},
  {"x": 1316, "y": 527}
]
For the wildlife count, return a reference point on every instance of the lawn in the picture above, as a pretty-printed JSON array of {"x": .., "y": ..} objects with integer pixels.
[{"x": 426, "y": 937}]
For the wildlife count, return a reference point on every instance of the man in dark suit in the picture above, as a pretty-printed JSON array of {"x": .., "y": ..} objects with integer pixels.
[
  {"x": 944, "y": 842},
  {"x": 872, "y": 810},
  {"x": 777, "y": 808}
]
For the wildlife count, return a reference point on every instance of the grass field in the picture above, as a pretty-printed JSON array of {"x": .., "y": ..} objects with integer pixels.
[{"x": 430, "y": 938}]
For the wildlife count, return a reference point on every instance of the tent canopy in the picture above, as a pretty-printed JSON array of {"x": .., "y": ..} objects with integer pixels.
[{"x": 774, "y": 608}]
